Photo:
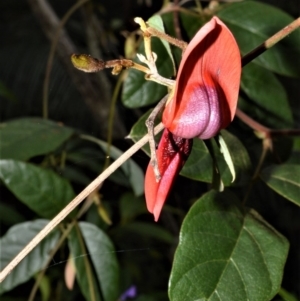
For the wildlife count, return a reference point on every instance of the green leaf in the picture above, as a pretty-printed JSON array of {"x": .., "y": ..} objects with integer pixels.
[
  {"x": 168, "y": 19},
  {"x": 239, "y": 156},
  {"x": 139, "y": 130},
  {"x": 191, "y": 22},
  {"x": 132, "y": 171},
  {"x": 226, "y": 253},
  {"x": 84, "y": 271},
  {"x": 40, "y": 189},
  {"x": 227, "y": 156},
  {"x": 199, "y": 164},
  {"x": 285, "y": 180},
  {"x": 22, "y": 139},
  {"x": 252, "y": 22},
  {"x": 221, "y": 165},
  {"x": 45, "y": 288},
  {"x": 138, "y": 92},
  {"x": 16, "y": 238},
  {"x": 87, "y": 157},
  {"x": 75, "y": 175},
  {"x": 265, "y": 90},
  {"x": 103, "y": 257},
  {"x": 157, "y": 23}
]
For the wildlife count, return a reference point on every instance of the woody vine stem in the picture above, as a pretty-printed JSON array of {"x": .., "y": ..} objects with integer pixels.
[{"x": 118, "y": 65}]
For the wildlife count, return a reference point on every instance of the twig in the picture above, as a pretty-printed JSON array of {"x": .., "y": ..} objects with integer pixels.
[
  {"x": 271, "y": 42},
  {"x": 75, "y": 202},
  {"x": 61, "y": 240},
  {"x": 150, "y": 31},
  {"x": 51, "y": 255},
  {"x": 176, "y": 21},
  {"x": 268, "y": 132},
  {"x": 150, "y": 126}
]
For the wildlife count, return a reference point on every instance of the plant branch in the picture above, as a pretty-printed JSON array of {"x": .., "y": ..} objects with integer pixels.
[
  {"x": 271, "y": 42},
  {"x": 150, "y": 31},
  {"x": 75, "y": 202},
  {"x": 51, "y": 255},
  {"x": 176, "y": 22},
  {"x": 150, "y": 126},
  {"x": 267, "y": 132},
  {"x": 61, "y": 240}
]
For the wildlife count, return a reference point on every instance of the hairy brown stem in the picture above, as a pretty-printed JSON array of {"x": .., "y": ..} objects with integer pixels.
[
  {"x": 150, "y": 125},
  {"x": 176, "y": 21}
]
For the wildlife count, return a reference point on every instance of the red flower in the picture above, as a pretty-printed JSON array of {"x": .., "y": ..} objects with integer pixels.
[
  {"x": 172, "y": 152},
  {"x": 204, "y": 102},
  {"x": 207, "y": 85}
]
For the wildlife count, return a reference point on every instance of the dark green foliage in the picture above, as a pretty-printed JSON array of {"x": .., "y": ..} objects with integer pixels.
[{"x": 207, "y": 245}]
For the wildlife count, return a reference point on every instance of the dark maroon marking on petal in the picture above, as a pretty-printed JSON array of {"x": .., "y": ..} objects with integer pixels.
[{"x": 175, "y": 145}]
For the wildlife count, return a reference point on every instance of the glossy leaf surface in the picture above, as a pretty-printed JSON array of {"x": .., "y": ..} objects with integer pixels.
[
  {"x": 191, "y": 22},
  {"x": 139, "y": 130},
  {"x": 40, "y": 189},
  {"x": 85, "y": 157},
  {"x": 16, "y": 238},
  {"x": 265, "y": 90},
  {"x": 199, "y": 164},
  {"x": 137, "y": 92},
  {"x": 285, "y": 180},
  {"x": 83, "y": 266},
  {"x": 239, "y": 156},
  {"x": 252, "y": 22},
  {"x": 157, "y": 23},
  {"x": 226, "y": 253},
  {"x": 103, "y": 257},
  {"x": 22, "y": 139},
  {"x": 131, "y": 170}
]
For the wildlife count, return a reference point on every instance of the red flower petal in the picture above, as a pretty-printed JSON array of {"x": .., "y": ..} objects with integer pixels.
[
  {"x": 171, "y": 154},
  {"x": 207, "y": 86}
]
